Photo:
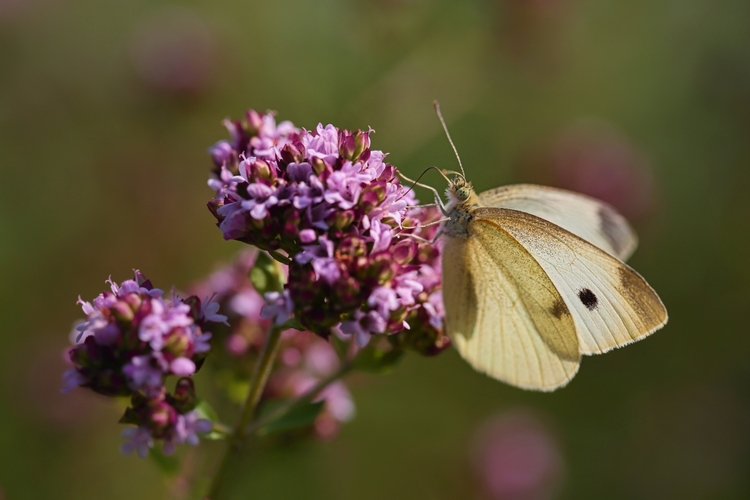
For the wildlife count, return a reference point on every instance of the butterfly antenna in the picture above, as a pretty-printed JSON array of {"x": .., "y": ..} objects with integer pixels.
[
  {"x": 445, "y": 127},
  {"x": 438, "y": 201},
  {"x": 413, "y": 183}
]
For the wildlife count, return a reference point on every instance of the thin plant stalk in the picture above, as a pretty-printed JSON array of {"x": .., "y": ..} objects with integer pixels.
[
  {"x": 257, "y": 385},
  {"x": 307, "y": 397}
]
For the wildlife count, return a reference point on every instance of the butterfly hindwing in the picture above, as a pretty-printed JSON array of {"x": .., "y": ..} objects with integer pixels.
[
  {"x": 611, "y": 305},
  {"x": 591, "y": 219},
  {"x": 504, "y": 315}
]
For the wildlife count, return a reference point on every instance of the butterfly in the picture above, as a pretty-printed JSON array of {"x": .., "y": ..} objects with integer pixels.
[{"x": 534, "y": 278}]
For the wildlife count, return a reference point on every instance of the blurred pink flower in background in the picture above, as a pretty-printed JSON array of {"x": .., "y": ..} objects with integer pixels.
[
  {"x": 175, "y": 52},
  {"x": 593, "y": 157},
  {"x": 516, "y": 457},
  {"x": 304, "y": 358}
]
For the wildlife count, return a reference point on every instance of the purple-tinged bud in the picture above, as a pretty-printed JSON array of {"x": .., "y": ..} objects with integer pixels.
[
  {"x": 291, "y": 154},
  {"x": 368, "y": 200},
  {"x": 252, "y": 123},
  {"x": 362, "y": 143},
  {"x": 122, "y": 311},
  {"x": 340, "y": 220},
  {"x": 388, "y": 174},
  {"x": 372, "y": 196},
  {"x": 347, "y": 145},
  {"x": 184, "y": 398},
  {"x": 161, "y": 416},
  {"x": 260, "y": 169},
  {"x": 177, "y": 343},
  {"x": 318, "y": 166},
  {"x": 133, "y": 300},
  {"x": 404, "y": 251}
]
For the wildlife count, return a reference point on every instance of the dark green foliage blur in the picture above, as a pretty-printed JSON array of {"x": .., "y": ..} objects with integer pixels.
[{"x": 106, "y": 111}]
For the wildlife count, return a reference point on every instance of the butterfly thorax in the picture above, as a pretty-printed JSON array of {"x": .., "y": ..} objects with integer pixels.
[{"x": 462, "y": 201}]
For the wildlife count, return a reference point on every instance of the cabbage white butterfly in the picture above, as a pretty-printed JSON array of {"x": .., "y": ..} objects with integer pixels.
[{"x": 534, "y": 278}]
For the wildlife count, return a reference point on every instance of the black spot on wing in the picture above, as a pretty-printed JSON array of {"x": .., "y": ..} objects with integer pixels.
[
  {"x": 559, "y": 308},
  {"x": 588, "y": 299}
]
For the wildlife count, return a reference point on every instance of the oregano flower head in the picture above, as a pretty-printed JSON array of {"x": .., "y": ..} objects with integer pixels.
[{"x": 334, "y": 210}]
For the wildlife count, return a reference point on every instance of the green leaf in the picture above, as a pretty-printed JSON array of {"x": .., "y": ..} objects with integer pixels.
[
  {"x": 169, "y": 465},
  {"x": 292, "y": 323},
  {"x": 373, "y": 359},
  {"x": 297, "y": 418},
  {"x": 266, "y": 275},
  {"x": 206, "y": 411}
]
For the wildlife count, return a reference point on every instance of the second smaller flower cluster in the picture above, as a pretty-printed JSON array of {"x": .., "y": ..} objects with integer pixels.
[{"x": 131, "y": 341}]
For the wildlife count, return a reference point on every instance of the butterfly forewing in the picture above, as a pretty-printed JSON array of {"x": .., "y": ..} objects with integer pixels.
[
  {"x": 504, "y": 314},
  {"x": 611, "y": 305},
  {"x": 591, "y": 219}
]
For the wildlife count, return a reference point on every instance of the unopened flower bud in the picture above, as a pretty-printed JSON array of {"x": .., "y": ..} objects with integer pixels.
[
  {"x": 347, "y": 145},
  {"x": 184, "y": 398},
  {"x": 252, "y": 122},
  {"x": 404, "y": 251},
  {"x": 121, "y": 311},
  {"x": 362, "y": 143},
  {"x": 291, "y": 154},
  {"x": 160, "y": 416}
]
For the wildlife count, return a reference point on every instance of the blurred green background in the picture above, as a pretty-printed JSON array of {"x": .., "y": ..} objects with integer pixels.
[{"x": 106, "y": 111}]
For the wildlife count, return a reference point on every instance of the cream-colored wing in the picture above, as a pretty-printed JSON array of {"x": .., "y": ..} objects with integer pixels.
[
  {"x": 611, "y": 304},
  {"x": 503, "y": 313},
  {"x": 591, "y": 219}
]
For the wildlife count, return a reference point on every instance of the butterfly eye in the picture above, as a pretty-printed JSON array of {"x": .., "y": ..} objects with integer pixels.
[{"x": 462, "y": 193}]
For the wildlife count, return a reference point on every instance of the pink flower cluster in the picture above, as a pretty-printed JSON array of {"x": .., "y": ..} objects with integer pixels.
[
  {"x": 304, "y": 359},
  {"x": 359, "y": 260},
  {"x": 131, "y": 341}
]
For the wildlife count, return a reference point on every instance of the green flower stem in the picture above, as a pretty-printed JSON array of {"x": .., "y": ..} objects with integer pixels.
[
  {"x": 294, "y": 403},
  {"x": 222, "y": 429},
  {"x": 257, "y": 384}
]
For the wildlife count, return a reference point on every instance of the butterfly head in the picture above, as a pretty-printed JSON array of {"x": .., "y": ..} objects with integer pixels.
[{"x": 460, "y": 192}]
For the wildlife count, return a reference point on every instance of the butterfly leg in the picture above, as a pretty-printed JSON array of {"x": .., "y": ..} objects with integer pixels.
[
  {"x": 416, "y": 238},
  {"x": 438, "y": 200}
]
